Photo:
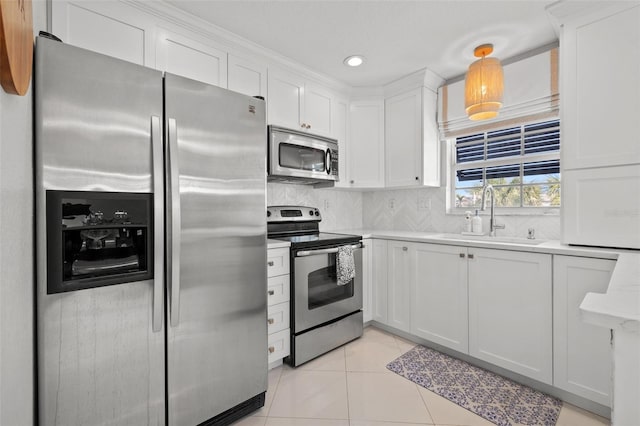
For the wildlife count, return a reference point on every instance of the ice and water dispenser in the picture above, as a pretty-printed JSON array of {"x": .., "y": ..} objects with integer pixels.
[{"x": 97, "y": 239}]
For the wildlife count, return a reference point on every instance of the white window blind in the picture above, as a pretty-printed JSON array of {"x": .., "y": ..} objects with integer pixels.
[{"x": 521, "y": 162}]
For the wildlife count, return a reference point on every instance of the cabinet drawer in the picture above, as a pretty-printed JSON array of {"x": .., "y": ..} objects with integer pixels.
[
  {"x": 278, "y": 345},
  {"x": 277, "y": 262},
  {"x": 277, "y": 317},
  {"x": 278, "y": 289}
]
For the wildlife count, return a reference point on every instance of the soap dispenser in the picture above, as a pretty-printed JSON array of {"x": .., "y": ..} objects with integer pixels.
[
  {"x": 476, "y": 223},
  {"x": 467, "y": 221}
]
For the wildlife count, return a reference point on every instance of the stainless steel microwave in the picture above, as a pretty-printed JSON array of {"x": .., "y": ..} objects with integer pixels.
[{"x": 299, "y": 157}]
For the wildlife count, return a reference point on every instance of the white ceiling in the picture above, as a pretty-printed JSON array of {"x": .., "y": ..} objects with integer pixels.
[{"x": 397, "y": 37}]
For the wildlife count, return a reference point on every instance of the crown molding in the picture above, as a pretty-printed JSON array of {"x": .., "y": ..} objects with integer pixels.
[
  {"x": 563, "y": 11},
  {"x": 232, "y": 42}
]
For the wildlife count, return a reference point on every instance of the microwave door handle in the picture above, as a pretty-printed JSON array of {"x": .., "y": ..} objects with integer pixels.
[
  {"x": 328, "y": 161},
  {"x": 158, "y": 222},
  {"x": 304, "y": 253},
  {"x": 173, "y": 224}
]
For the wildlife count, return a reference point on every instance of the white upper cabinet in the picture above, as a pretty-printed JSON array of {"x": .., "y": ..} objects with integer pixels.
[
  {"x": 285, "y": 106},
  {"x": 246, "y": 76},
  {"x": 600, "y": 206},
  {"x": 403, "y": 139},
  {"x": 113, "y": 29},
  {"x": 184, "y": 56},
  {"x": 365, "y": 147},
  {"x": 340, "y": 133},
  {"x": 430, "y": 139},
  {"x": 318, "y": 106},
  {"x": 600, "y": 65},
  {"x": 296, "y": 104},
  {"x": 600, "y": 154},
  {"x": 412, "y": 154}
]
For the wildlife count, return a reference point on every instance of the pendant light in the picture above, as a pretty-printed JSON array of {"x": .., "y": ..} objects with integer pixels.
[{"x": 483, "y": 85}]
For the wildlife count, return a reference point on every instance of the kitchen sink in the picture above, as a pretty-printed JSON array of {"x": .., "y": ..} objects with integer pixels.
[{"x": 487, "y": 238}]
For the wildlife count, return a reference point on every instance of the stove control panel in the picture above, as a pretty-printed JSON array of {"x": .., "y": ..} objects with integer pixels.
[{"x": 293, "y": 214}]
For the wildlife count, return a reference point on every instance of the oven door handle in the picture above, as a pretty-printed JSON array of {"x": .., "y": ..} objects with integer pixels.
[{"x": 304, "y": 253}]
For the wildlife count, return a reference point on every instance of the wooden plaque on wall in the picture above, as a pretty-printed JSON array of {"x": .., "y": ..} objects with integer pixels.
[{"x": 16, "y": 45}]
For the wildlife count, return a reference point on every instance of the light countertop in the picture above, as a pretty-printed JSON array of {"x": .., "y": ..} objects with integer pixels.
[{"x": 618, "y": 308}]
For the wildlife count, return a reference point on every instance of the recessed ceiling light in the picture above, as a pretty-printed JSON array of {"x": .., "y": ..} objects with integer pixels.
[{"x": 354, "y": 60}]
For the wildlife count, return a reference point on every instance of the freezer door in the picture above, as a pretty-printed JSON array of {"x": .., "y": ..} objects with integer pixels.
[
  {"x": 216, "y": 255},
  {"x": 98, "y": 127}
]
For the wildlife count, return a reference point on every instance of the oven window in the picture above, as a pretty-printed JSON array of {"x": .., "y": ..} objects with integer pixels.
[
  {"x": 301, "y": 157},
  {"x": 323, "y": 286}
]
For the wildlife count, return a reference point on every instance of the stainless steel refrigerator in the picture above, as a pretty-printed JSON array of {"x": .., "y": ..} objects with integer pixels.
[{"x": 151, "y": 244}]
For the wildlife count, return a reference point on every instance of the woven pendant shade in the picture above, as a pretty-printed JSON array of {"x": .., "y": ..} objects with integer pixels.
[{"x": 484, "y": 85}]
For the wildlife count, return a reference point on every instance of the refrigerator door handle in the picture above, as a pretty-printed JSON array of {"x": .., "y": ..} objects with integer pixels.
[
  {"x": 158, "y": 221},
  {"x": 173, "y": 234}
]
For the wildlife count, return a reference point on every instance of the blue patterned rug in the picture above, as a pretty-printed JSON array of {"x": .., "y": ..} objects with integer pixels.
[{"x": 499, "y": 400}]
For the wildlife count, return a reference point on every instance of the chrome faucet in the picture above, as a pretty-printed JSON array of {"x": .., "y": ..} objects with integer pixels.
[{"x": 492, "y": 221}]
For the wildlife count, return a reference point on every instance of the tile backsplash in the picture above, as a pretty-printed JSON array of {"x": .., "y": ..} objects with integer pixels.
[
  {"x": 422, "y": 209},
  {"x": 339, "y": 209}
]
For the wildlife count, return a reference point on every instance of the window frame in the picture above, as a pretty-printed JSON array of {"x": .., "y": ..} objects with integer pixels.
[{"x": 519, "y": 160}]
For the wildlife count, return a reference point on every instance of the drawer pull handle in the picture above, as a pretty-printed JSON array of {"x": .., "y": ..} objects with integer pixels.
[
  {"x": 462, "y": 255},
  {"x": 470, "y": 256},
  {"x": 271, "y": 292},
  {"x": 270, "y": 263},
  {"x": 270, "y": 321},
  {"x": 271, "y": 349},
  {"x": 405, "y": 248}
]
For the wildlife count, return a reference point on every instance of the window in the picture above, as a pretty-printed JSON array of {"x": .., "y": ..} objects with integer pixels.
[{"x": 522, "y": 163}]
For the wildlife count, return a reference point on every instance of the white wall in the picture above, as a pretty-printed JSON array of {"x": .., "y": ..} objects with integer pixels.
[{"x": 17, "y": 252}]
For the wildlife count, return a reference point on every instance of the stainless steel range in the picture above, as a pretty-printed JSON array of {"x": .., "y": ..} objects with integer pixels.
[{"x": 324, "y": 314}]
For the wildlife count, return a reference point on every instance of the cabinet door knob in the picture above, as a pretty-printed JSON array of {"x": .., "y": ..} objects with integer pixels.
[
  {"x": 271, "y": 292},
  {"x": 270, "y": 321},
  {"x": 462, "y": 255},
  {"x": 308, "y": 126},
  {"x": 405, "y": 248},
  {"x": 270, "y": 263},
  {"x": 271, "y": 349},
  {"x": 417, "y": 178},
  {"x": 351, "y": 182},
  {"x": 470, "y": 256}
]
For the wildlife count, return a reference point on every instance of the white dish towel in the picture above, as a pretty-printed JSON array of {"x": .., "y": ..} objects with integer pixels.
[{"x": 345, "y": 264}]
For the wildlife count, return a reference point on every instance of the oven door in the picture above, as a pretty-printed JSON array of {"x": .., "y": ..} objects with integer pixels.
[{"x": 317, "y": 296}]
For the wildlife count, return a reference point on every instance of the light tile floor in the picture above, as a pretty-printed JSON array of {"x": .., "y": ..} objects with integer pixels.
[{"x": 350, "y": 386}]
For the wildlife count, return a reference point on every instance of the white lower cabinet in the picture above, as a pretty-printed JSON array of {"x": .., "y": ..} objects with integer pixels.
[
  {"x": 509, "y": 308},
  {"x": 278, "y": 315},
  {"x": 279, "y": 346},
  {"x": 379, "y": 281},
  {"x": 439, "y": 310},
  {"x": 582, "y": 352},
  {"x": 400, "y": 275},
  {"x": 367, "y": 265},
  {"x": 510, "y": 312}
]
